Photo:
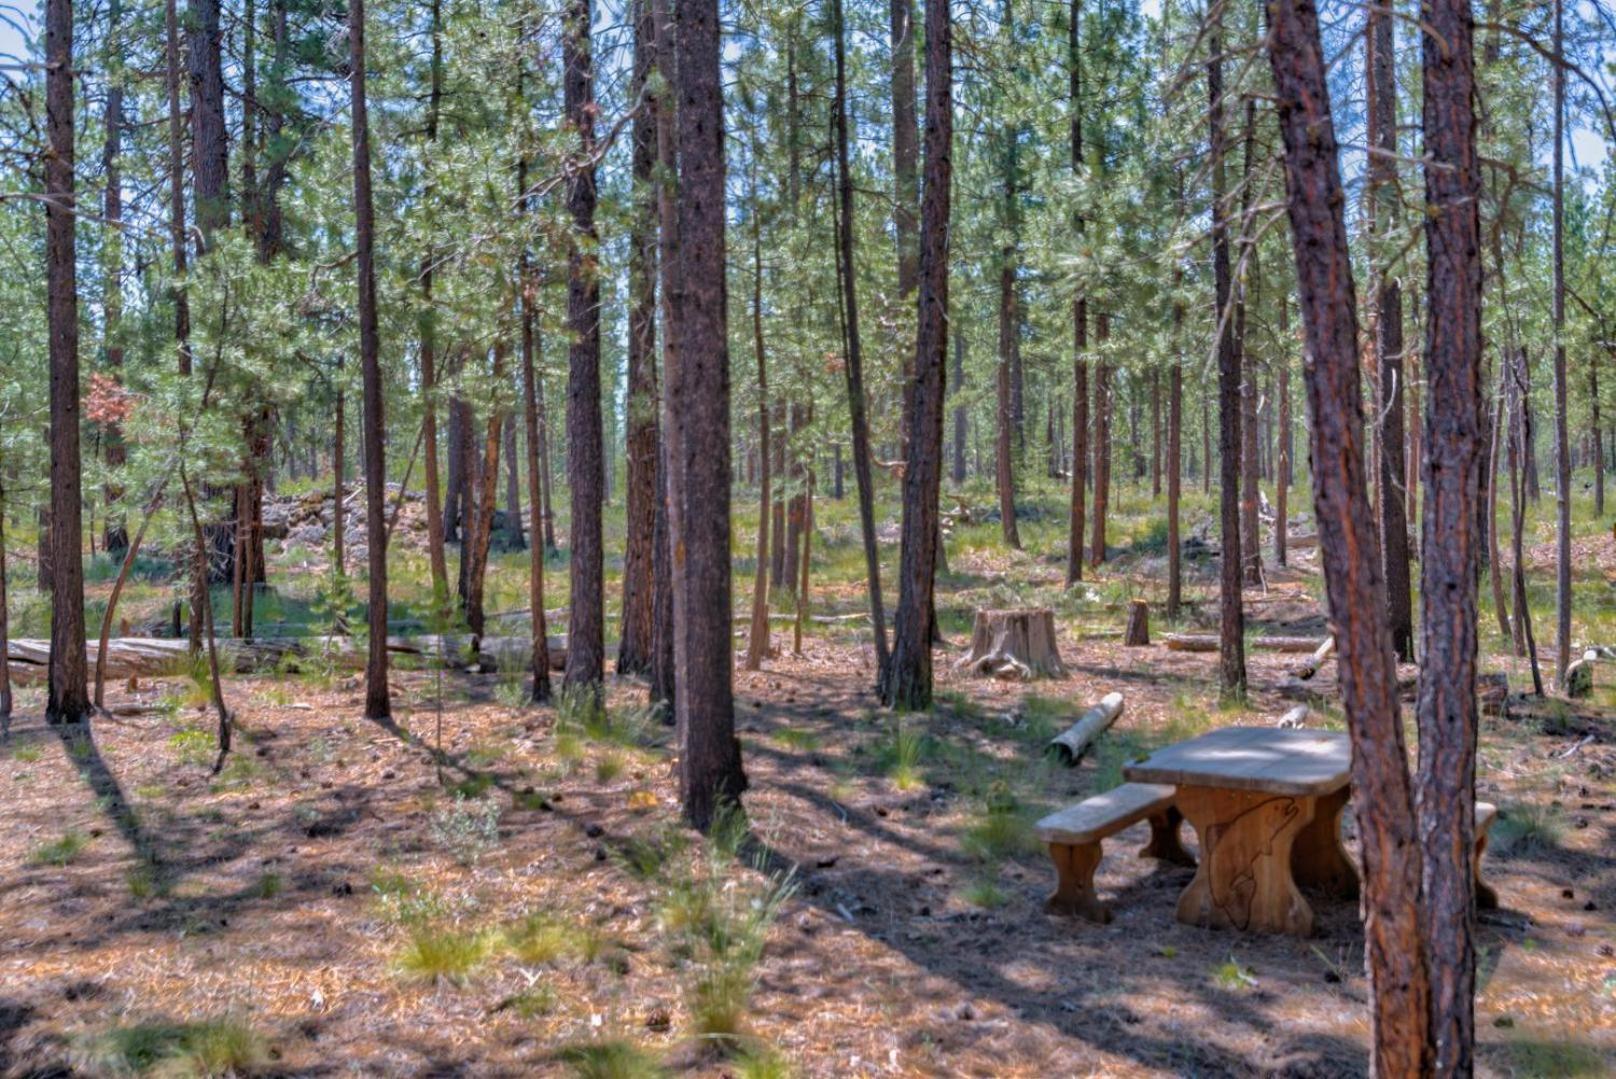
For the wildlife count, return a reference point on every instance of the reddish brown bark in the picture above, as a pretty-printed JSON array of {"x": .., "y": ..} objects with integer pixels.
[
  {"x": 586, "y": 645},
  {"x": 710, "y": 772},
  {"x": 1367, "y": 667},
  {"x": 68, "y": 697},
  {"x": 1450, "y": 548},
  {"x": 1080, "y": 313},
  {"x": 1102, "y": 441},
  {"x": 1232, "y": 626},
  {"x": 909, "y": 682},
  {"x": 378, "y": 704}
]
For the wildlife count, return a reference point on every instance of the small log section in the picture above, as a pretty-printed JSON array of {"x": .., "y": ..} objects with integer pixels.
[
  {"x": 1295, "y": 719},
  {"x": 1074, "y": 834},
  {"x": 1015, "y": 645},
  {"x": 1208, "y": 642},
  {"x": 1069, "y": 746},
  {"x": 1310, "y": 666},
  {"x": 1486, "y": 895},
  {"x": 1138, "y": 632}
]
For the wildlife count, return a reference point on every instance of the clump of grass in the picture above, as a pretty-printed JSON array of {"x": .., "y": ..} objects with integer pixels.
[
  {"x": 614, "y": 1058},
  {"x": 143, "y": 881},
  {"x": 209, "y": 1049},
  {"x": 1559, "y": 1060},
  {"x": 1000, "y": 831},
  {"x": 531, "y": 1003},
  {"x": 1527, "y": 827},
  {"x": 485, "y": 754},
  {"x": 644, "y": 858},
  {"x": 268, "y": 886},
  {"x": 192, "y": 746},
  {"x": 985, "y": 892},
  {"x": 542, "y": 939},
  {"x": 239, "y": 771},
  {"x": 608, "y": 767},
  {"x": 900, "y": 753},
  {"x": 582, "y": 712},
  {"x": 719, "y": 920},
  {"x": 473, "y": 786},
  {"x": 466, "y": 828},
  {"x": 759, "y": 1061},
  {"x": 438, "y": 953},
  {"x": 27, "y": 754},
  {"x": 60, "y": 852},
  {"x": 794, "y": 738},
  {"x": 404, "y": 901},
  {"x": 511, "y": 693},
  {"x": 1231, "y": 974}
]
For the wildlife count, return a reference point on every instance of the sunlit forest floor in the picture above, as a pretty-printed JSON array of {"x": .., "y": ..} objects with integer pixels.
[{"x": 345, "y": 898}]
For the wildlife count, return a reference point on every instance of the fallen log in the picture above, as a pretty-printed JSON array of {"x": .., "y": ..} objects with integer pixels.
[
  {"x": 1310, "y": 666},
  {"x": 127, "y": 657},
  {"x": 1208, "y": 642},
  {"x": 1069, "y": 746}
]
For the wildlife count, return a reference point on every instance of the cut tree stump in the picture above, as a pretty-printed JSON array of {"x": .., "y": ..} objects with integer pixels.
[
  {"x": 1069, "y": 746},
  {"x": 1015, "y": 645},
  {"x": 1208, "y": 642},
  {"x": 1138, "y": 633}
]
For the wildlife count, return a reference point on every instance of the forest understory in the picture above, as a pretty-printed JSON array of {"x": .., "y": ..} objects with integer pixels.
[{"x": 342, "y": 899}]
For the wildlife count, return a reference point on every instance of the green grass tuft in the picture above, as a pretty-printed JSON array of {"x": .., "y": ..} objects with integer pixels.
[{"x": 61, "y": 851}]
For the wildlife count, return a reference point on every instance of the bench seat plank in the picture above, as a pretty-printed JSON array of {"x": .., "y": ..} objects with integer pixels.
[{"x": 1105, "y": 814}]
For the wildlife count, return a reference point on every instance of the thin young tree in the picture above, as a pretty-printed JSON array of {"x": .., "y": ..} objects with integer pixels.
[
  {"x": 428, "y": 349},
  {"x": 710, "y": 772},
  {"x": 665, "y": 104},
  {"x": 1380, "y": 43},
  {"x": 1232, "y": 623},
  {"x": 909, "y": 680},
  {"x": 1562, "y": 447},
  {"x": 1454, "y": 451},
  {"x": 639, "y": 561},
  {"x": 586, "y": 645},
  {"x": 68, "y": 695},
  {"x": 854, "y": 360},
  {"x": 1080, "y": 311},
  {"x": 378, "y": 702},
  {"x": 1399, "y": 1005},
  {"x": 757, "y": 642}
]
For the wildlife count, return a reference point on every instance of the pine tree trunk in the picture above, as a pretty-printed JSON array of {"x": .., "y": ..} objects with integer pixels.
[
  {"x": 540, "y": 691},
  {"x": 957, "y": 386},
  {"x": 710, "y": 772},
  {"x": 757, "y": 645},
  {"x": 514, "y": 533},
  {"x": 1004, "y": 462},
  {"x": 1399, "y": 1015},
  {"x": 1562, "y": 448},
  {"x": 909, "y": 683},
  {"x": 116, "y": 537},
  {"x": 586, "y": 645},
  {"x": 68, "y": 699},
  {"x": 664, "y": 679},
  {"x": 1282, "y": 468},
  {"x": 1080, "y": 308},
  {"x": 1446, "y": 705},
  {"x": 479, "y": 529},
  {"x": 1102, "y": 442},
  {"x": 1383, "y": 198},
  {"x": 1232, "y": 669},
  {"x": 639, "y": 559},
  {"x": 854, "y": 365},
  {"x": 378, "y": 704},
  {"x": 1175, "y": 467}
]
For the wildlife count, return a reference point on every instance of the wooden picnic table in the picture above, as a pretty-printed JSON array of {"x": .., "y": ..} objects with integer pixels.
[{"x": 1266, "y": 805}]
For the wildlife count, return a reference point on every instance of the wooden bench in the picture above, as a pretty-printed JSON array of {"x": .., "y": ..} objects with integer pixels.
[
  {"x": 1486, "y": 896},
  {"x": 1074, "y": 834}
]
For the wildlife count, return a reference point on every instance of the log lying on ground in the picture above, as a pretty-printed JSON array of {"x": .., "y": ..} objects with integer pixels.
[
  {"x": 1069, "y": 746},
  {"x": 1138, "y": 632},
  {"x": 1294, "y": 719},
  {"x": 1310, "y": 666},
  {"x": 128, "y": 657},
  {"x": 1014, "y": 645},
  {"x": 1208, "y": 642}
]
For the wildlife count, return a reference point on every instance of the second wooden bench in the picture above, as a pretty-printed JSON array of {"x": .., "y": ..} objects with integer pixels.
[{"x": 1074, "y": 834}]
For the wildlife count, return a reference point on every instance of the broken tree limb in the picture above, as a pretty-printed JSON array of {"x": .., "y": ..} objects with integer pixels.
[
  {"x": 1069, "y": 746},
  {"x": 1207, "y": 642},
  {"x": 1310, "y": 666}
]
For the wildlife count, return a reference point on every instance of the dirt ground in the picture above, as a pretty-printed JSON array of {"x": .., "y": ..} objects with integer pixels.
[{"x": 904, "y": 949}]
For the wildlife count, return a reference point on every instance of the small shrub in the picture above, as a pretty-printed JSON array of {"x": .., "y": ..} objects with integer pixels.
[
  {"x": 999, "y": 832},
  {"x": 1232, "y": 975},
  {"x": 900, "y": 753},
  {"x": 193, "y": 746},
  {"x": 511, "y": 693},
  {"x": 532, "y": 1003},
  {"x": 403, "y": 901},
  {"x": 608, "y": 767},
  {"x": 1527, "y": 827},
  {"x": 268, "y": 886},
  {"x": 611, "y": 1059},
  {"x": 985, "y": 892},
  {"x": 441, "y": 954},
  {"x": 467, "y": 829},
  {"x": 485, "y": 754},
  {"x": 61, "y": 851}
]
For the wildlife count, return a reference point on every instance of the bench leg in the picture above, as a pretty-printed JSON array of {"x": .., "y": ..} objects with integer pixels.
[
  {"x": 1164, "y": 839},
  {"x": 1318, "y": 859},
  {"x": 1074, "y": 882},
  {"x": 1244, "y": 880},
  {"x": 1486, "y": 896}
]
